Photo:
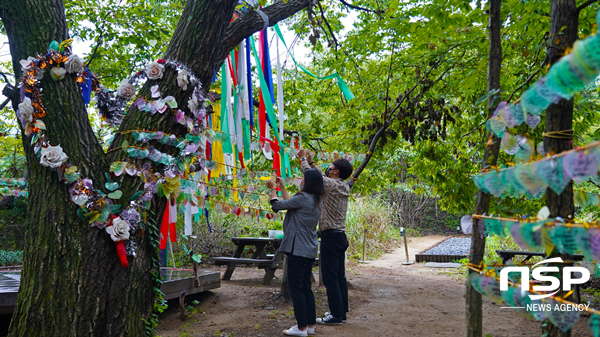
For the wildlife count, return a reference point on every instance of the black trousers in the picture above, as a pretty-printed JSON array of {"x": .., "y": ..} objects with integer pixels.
[
  {"x": 299, "y": 270},
  {"x": 333, "y": 248}
]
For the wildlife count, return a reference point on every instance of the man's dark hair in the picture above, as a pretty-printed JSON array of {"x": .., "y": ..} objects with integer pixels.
[
  {"x": 344, "y": 166},
  {"x": 313, "y": 184}
]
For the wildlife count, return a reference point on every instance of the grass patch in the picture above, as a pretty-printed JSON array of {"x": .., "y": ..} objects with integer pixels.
[{"x": 374, "y": 215}]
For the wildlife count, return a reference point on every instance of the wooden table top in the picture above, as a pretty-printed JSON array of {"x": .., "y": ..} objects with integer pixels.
[{"x": 245, "y": 240}]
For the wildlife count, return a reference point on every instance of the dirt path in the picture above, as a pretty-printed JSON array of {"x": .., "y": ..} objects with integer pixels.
[{"x": 386, "y": 299}]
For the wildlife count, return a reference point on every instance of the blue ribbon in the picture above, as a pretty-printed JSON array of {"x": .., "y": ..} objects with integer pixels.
[{"x": 249, "y": 74}]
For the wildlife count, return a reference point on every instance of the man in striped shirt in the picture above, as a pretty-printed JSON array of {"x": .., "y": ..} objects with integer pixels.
[{"x": 334, "y": 243}]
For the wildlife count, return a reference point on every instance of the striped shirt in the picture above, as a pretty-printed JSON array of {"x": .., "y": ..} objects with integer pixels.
[{"x": 334, "y": 203}]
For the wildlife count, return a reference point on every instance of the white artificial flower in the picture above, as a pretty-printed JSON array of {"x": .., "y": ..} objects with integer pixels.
[
  {"x": 126, "y": 90},
  {"x": 155, "y": 70},
  {"x": 26, "y": 110},
  {"x": 53, "y": 156},
  {"x": 193, "y": 103},
  {"x": 119, "y": 231},
  {"x": 39, "y": 73},
  {"x": 74, "y": 65},
  {"x": 183, "y": 78},
  {"x": 25, "y": 63}
]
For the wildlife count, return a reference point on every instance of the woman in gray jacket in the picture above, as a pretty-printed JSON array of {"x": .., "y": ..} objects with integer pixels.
[{"x": 300, "y": 244}]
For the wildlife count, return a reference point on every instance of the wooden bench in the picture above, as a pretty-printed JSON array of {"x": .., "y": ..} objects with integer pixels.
[
  {"x": 509, "y": 254},
  {"x": 269, "y": 265}
]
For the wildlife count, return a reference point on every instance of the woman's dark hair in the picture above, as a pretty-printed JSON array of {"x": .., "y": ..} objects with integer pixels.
[
  {"x": 313, "y": 184},
  {"x": 344, "y": 166}
]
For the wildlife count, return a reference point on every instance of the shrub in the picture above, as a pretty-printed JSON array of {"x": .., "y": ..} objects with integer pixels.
[
  {"x": 494, "y": 242},
  {"x": 420, "y": 212},
  {"x": 10, "y": 258},
  {"x": 375, "y": 215},
  {"x": 13, "y": 220}
]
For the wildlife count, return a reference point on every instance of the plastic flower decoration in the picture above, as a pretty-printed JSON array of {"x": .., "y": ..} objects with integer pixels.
[
  {"x": 53, "y": 156},
  {"x": 183, "y": 78},
  {"x": 126, "y": 90},
  {"x": 74, "y": 65},
  {"x": 26, "y": 110},
  {"x": 119, "y": 230},
  {"x": 155, "y": 71}
]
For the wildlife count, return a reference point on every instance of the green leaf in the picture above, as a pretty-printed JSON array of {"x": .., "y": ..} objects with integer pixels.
[
  {"x": 197, "y": 258},
  {"x": 137, "y": 195},
  {"x": 485, "y": 97}
]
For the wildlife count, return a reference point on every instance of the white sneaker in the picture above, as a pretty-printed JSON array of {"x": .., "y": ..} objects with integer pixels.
[
  {"x": 312, "y": 331},
  {"x": 293, "y": 331}
]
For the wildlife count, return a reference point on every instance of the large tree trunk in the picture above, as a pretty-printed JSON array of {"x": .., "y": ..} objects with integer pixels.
[
  {"x": 72, "y": 282},
  {"x": 490, "y": 157},
  {"x": 559, "y": 117}
]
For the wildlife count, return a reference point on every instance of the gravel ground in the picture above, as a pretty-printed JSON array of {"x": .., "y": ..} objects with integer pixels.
[{"x": 452, "y": 246}]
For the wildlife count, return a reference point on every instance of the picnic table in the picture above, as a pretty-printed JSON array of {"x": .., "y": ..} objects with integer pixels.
[
  {"x": 269, "y": 262},
  {"x": 509, "y": 254}
]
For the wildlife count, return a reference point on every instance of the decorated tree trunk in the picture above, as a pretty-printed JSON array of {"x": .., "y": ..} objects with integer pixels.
[
  {"x": 72, "y": 282},
  {"x": 559, "y": 117},
  {"x": 490, "y": 157}
]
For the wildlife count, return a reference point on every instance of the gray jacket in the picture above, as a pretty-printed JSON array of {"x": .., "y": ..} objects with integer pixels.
[{"x": 300, "y": 224}]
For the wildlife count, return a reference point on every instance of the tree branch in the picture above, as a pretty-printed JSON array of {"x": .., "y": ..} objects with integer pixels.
[
  {"x": 526, "y": 82},
  {"x": 585, "y": 4},
  {"x": 335, "y": 41},
  {"x": 362, "y": 8},
  {"x": 470, "y": 132},
  {"x": 396, "y": 114},
  {"x": 252, "y": 22}
]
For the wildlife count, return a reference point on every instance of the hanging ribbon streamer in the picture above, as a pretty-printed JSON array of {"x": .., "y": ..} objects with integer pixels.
[
  {"x": 243, "y": 110},
  {"x": 229, "y": 118},
  {"x": 279, "y": 93},
  {"x": 249, "y": 83},
  {"x": 226, "y": 143},
  {"x": 341, "y": 83},
  {"x": 86, "y": 86},
  {"x": 168, "y": 225},
  {"x": 189, "y": 210},
  {"x": 264, "y": 90},
  {"x": 244, "y": 104},
  {"x": 207, "y": 221},
  {"x": 268, "y": 71}
]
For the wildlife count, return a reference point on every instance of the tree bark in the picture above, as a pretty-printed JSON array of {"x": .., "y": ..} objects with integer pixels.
[
  {"x": 563, "y": 33},
  {"x": 72, "y": 283},
  {"x": 490, "y": 157}
]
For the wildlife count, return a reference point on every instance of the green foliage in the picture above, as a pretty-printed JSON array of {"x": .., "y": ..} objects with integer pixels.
[
  {"x": 126, "y": 34},
  {"x": 373, "y": 215},
  {"x": 9, "y": 258},
  {"x": 12, "y": 157},
  {"x": 494, "y": 242},
  {"x": 13, "y": 221},
  {"x": 401, "y": 65}
]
